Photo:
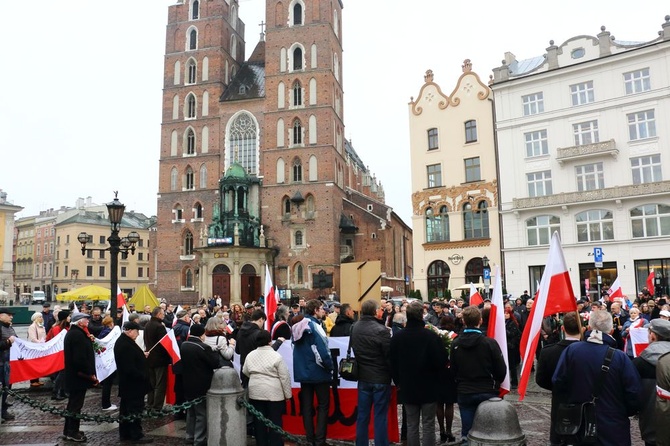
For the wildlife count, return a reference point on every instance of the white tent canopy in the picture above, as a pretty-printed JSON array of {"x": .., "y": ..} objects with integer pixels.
[{"x": 3, "y": 293}]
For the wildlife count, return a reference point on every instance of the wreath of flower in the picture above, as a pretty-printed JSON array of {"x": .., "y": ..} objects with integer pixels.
[{"x": 446, "y": 336}]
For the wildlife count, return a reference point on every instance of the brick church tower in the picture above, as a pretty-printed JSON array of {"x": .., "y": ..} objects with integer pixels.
[{"x": 258, "y": 146}]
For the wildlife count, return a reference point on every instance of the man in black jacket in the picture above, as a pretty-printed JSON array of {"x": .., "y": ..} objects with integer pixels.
[
  {"x": 133, "y": 373},
  {"x": 371, "y": 343},
  {"x": 417, "y": 358},
  {"x": 546, "y": 366},
  {"x": 198, "y": 362},
  {"x": 478, "y": 365},
  {"x": 246, "y": 339},
  {"x": 158, "y": 360},
  {"x": 79, "y": 373},
  {"x": 343, "y": 322}
]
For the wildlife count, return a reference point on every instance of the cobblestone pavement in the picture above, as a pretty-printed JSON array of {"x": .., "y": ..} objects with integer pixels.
[{"x": 34, "y": 427}]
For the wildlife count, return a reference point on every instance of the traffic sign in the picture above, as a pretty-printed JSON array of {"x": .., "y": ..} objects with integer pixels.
[
  {"x": 598, "y": 257},
  {"x": 487, "y": 273}
]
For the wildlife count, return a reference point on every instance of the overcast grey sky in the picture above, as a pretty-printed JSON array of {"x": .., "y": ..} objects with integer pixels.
[{"x": 81, "y": 82}]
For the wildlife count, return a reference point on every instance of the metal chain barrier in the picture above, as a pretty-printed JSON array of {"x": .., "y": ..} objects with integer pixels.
[
  {"x": 151, "y": 413},
  {"x": 269, "y": 424}
]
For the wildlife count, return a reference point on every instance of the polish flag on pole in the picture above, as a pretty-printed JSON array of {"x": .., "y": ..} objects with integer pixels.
[
  {"x": 555, "y": 295},
  {"x": 270, "y": 299},
  {"x": 475, "y": 297},
  {"x": 650, "y": 282},
  {"x": 496, "y": 329},
  {"x": 121, "y": 303},
  {"x": 615, "y": 289},
  {"x": 169, "y": 343}
]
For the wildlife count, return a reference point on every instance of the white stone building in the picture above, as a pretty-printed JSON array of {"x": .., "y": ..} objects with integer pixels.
[{"x": 584, "y": 149}]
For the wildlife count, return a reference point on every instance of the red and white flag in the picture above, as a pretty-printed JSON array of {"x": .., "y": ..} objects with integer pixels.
[
  {"x": 229, "y": 329},
  {"x": 496, "y": 329},
  {"x": 169, "y": 343},
  {"x": 475, "y": 297},
  {"x": 555, "y": 295},
  {"x": 270, "y": 299},
  {"x": 30, "y": 360},
  {"x": 650, "y": 282},
  {"x": 615, "y": 289},
  {"x": 639, "y": 337},
  {"x": 121, "y": 303}
]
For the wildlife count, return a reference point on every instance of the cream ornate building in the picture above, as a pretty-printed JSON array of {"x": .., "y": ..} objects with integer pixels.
[
  {"x": 583, "y": 140},
  {"x": 455, "y": 196}
]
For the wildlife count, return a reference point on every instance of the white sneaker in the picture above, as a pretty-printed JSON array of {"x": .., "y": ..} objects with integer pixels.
[{"x": 110, "y": 408}]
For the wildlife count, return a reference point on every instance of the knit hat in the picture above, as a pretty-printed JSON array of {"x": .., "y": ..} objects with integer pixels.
[
  {"x": 63, "y": 314},
  {"x": 197, "y": 330}
]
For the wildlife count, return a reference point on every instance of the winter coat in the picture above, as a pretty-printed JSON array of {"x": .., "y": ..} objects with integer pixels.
[
  {"x": 576, "y": 374},
  {"x": 312, "y": 362},
  {"x": 417, "y": 359},
  {"x": 371, "y": 343},
  {"x": 246, "y": 340},
  {"x": 646, "y": 367},
  {"x": 478, "y": 363},
  {"x": 181, "y": 329},
  {"x": 219, "y": 343},
  {"x": 6, "y": 332},
  {"x": 153, "y": 333},
  {"x": 662, "y": 419},
  {"x": 36, "y": 333},
  {"x": 79, "y": 359},
  {"x": 269, "y": 378},
  {"x": 199, "y": 362},
  {"x": 342, "y": 326},
  {"x": 280, "y": 329},
  {"x": 131, "y": 368}
]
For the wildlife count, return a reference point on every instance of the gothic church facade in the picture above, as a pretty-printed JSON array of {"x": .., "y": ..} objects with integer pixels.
[{"x": 254, "y": 166}]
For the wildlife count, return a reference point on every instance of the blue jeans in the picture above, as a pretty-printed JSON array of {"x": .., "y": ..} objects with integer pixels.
[
  {"x": 467, "y": 404},
  {"x": 369, "y": 395}
]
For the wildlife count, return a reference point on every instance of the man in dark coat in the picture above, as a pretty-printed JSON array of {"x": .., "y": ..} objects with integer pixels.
[
  {"x": 417, "y": 358},
  {"x": 246, "y": 339},
  {"x": 158, "y": 360},
  {"x": 343, "y": 322},
  {"x": 133, "y": 373},
  {"x": 578, "y": 370},
  {"x": 371, "y": 342},
  {"x": 79, "y": 373},
  {"x": 478, "y": 366},
  {"x": 48, "y": 316},
  {"x": 7, "y": 337},
  {"x": 198, "y": 363},
  {"x": 547, "y": 363}
]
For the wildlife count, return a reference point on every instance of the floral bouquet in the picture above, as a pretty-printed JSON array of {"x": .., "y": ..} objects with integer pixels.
[
  {"x": 97, "y": 348},
  {"x": 445, "y": 335}
]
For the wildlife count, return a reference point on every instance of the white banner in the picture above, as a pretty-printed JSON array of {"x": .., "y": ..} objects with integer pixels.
[{"x": 105, "y": 364}]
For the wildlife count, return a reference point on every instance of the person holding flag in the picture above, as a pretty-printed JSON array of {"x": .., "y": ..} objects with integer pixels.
[{"x": 479, "y": 367}]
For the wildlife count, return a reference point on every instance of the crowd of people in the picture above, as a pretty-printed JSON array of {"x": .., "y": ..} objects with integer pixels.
[{"x": 453, "y": 363}]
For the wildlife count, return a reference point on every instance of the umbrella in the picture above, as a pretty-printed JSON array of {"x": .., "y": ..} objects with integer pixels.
[
  {"x": 467, "y": 286},
  {"x": 90, "y": 292},
  {"x": 3, "y": 293},
  {"x": 386, "y": 289}
]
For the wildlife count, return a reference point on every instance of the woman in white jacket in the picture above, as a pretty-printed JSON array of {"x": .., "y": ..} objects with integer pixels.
[
  {"x": 269, "y": 387},
  {"x": 217, "y": 338}
]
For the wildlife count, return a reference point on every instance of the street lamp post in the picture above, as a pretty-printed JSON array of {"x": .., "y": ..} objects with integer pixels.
[
  {"x": 116, "y": 245},
  {"x": 487, "y": 275}
]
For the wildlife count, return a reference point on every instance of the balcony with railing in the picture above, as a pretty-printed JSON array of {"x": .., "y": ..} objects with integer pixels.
[{"x": 575, "y": 153}]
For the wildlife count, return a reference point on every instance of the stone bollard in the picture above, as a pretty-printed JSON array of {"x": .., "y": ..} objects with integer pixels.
[
  {"x": 496, "y": 423},
  {"x": 226, "y": 420}
]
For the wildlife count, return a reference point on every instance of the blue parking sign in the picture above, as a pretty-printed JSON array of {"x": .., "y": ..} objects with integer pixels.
[
  {"x": 487, "y": 273},
  {"x": 598, "y": 254}
]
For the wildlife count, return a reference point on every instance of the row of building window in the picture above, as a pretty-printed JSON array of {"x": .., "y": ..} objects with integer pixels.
[
  {"x": 123, "y": 271},
  {"x": 652, "y": 220},
  {"x": 470, "y": 135},
  {"x": 634, "y": 82},
  {"x": 472, "y": 168},
  {"x": 475, "y": 223},
  {"x": 644, "y": 169},
  {"x": 178, "y": 213},
  {"x": 641, "y": 125}
]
